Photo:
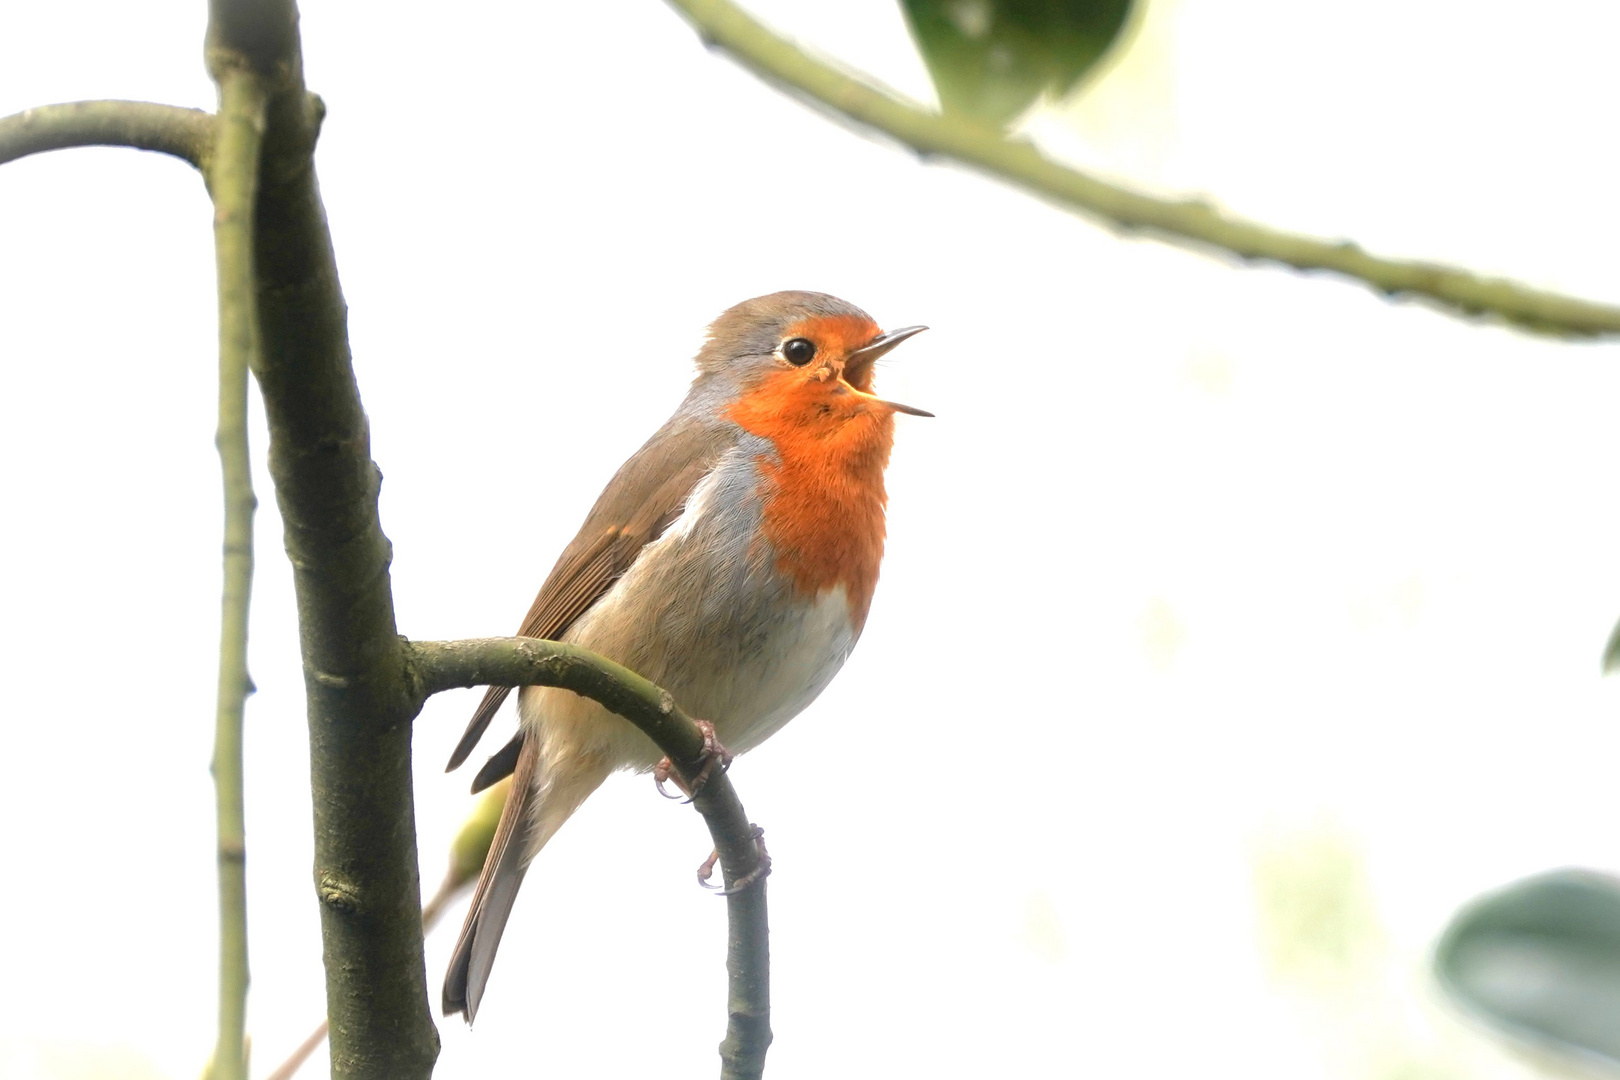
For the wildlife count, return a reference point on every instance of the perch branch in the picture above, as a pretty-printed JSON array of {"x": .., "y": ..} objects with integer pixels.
[
  {"x": 441, "y": 665},
  {"x": 358, "y": 706},
  {"x": 233, "y": 180},
  {"x": 1192, "y": 221},
  {"x": 187, "y": 134}
]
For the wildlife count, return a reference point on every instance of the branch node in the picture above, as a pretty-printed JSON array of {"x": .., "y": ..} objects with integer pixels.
[{"x": 338, "y": 894}]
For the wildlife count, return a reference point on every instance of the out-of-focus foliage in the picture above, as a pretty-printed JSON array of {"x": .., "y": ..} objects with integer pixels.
[
  {"x": 472, "y": 843},
  {"x": 59, "y": 1059},
  {"x": 1325, "y": 947},
  {"x": 991, "y": 58},
  {"x": 1540, "y": 961},
  {"x": 1317, "y": 922}
]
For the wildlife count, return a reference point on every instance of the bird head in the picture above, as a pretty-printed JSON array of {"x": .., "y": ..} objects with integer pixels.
[{"x": 804, "y": 354}]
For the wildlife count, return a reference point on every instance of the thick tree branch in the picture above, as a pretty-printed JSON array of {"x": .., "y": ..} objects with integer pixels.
[
  {"x": 1193, "y": 221},
  {"x": 233, "y": 180},
  {"x": 467, "y": 854},
  {"x": 326, "y": 486},
  {"x": 441, "y": 665},
  {"x": 188, "y": 134}
]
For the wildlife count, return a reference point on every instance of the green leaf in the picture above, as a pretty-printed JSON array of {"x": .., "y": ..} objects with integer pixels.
[
  {"x": 471, "y": 845},
  {"x": 1540, "y": 961},
  {"x": 1611, "y": 651},
  {"x": 991, "y": 58}
]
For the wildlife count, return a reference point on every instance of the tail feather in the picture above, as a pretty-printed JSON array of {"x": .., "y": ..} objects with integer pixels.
[
  {"x": 492, "y": 901},
  {"x": 524, "y": 828},
  {"x": 501, "y": 765}
]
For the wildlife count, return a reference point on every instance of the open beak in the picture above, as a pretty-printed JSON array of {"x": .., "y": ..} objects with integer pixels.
[{"x": 860, "y": 362}]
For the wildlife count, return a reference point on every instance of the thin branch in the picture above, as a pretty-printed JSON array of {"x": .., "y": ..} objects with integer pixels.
[
  {"x": 442, "y": 665},
  {"x": 295, "y": 1060},
  {"x": 1193, "y": 221},
  {"x": 187, "y": 134},
  {"x": 359, "y": 709},
  {"x": 234, "y": 180}
]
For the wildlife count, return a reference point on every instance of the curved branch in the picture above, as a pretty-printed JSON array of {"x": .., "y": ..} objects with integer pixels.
[
  {"x": 778, "y": 60},
  {"x": 187, "y": 134},
  {"x": 234, "y": 182},
  {"x": 443, "y": 665}
]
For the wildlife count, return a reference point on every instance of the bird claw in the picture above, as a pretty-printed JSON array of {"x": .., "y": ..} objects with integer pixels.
[
  {"x": 760, "y": 872},
  {"x": 664, "y": 771},
  {"x": 712, "y": 752},
  {"x": 706, "y": 870}
]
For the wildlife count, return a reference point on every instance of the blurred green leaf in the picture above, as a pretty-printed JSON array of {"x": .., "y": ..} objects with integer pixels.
[
  {"x": 1318, "y": 925},
  {"x": 991, "y": 58},
  {"x": 471, "y": 845},
  {"x": 1540, "y": 961},
  {"x": 1611, "y": 651}
]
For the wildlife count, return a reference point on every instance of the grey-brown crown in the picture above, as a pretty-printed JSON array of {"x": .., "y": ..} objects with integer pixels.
[{"x": 754, "y": 328}]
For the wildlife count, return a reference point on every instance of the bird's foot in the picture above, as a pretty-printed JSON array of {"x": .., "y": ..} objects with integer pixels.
[
  {"x": 760, "y": 872},
  {"x": 664, "y": 771},
  {"x": 712, "y": 752}
]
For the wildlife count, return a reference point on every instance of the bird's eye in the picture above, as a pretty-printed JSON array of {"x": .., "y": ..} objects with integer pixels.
[{"x": 798, "y": 351}]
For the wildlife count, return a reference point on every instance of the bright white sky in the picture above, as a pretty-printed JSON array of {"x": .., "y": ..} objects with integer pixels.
[{"x": 1193, "y": 554}]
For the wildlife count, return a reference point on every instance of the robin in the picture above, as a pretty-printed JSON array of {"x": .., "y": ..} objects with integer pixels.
[{"x": 731, "y": 561}]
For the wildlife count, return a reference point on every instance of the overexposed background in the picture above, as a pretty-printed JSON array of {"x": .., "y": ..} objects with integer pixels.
[{"x": 1204, "y": 580}]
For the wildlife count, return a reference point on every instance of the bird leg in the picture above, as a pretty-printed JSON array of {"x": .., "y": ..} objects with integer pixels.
[
  {"x": 758, "y": 873},
  {"x": 664, "y": 771}
]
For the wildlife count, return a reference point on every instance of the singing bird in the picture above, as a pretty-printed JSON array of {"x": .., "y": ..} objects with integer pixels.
[{"x": 731, "y": 561}]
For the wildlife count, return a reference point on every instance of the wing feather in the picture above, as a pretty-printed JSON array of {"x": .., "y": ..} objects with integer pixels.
[{"x": 643, "y": 499}]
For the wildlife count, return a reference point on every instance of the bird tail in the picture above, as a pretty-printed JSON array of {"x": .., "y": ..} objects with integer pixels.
[{"x": 534, "y": 811}]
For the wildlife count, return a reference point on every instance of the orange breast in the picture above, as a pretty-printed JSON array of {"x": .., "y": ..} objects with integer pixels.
[{"x": 823, "y": 488}]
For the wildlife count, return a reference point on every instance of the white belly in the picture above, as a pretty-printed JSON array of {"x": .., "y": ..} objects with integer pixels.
[{"x": 771, "y": 685}]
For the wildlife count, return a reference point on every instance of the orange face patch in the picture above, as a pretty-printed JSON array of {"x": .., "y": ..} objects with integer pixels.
[
  {"x": 835, "y": 337},
  {"x": 823, "y": 488}
]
